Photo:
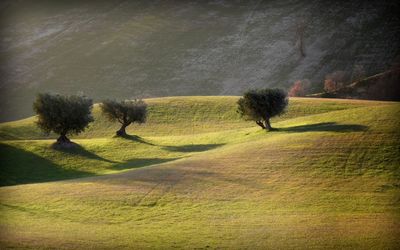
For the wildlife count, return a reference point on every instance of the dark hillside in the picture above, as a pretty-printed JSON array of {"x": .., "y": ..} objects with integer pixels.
[{"x": 125, "y": 49}]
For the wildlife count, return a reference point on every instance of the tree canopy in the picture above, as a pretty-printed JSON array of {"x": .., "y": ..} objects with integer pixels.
[
  {"x": 260, "y": 105},
  {"x": 125, "y": 112},
  {"x": 63, "y": 114}
]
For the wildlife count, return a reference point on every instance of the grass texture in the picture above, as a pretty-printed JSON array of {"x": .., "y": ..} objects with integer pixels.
[{"x": 197, "y": 176}]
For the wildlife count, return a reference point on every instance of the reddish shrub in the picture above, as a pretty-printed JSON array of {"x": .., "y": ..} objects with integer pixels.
[
  {"x": 335, "y": 81},
  {"x": 330, "y": 85},
  {"x": 297, "y": 89}
]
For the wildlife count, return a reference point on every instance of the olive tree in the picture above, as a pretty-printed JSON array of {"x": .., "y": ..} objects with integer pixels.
[
  {"x": 261, "y": 105},
  {"x": 63, "y": 115},
  {"x": 125, "y": 112}
]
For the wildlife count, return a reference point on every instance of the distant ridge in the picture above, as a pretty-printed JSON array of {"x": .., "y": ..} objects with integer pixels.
[
  {"x": 128, "y": 49},
  {"x": 382, "y": 86}
]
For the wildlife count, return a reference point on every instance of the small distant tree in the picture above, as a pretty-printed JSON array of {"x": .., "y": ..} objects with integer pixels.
[
  {"x": 335, "y": 81},
  {"x": 300, "y": 31},
  {"x": 261, "y": 105},
  {"x": 125, "y": 112},
  {"x": 63, "y": 115},
  {"x": 330, "y": 85},
  {"x": 297, "y": 89}
]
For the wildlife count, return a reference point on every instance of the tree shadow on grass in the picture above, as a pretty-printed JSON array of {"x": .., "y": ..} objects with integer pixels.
[
  {"x": 189, "y": 172},
  {"x": 325, "y": 127},
  {"x": 135, "y": 138},
  {"x": 140, "y": 162},
  {"x": 158, "y": 174},
  {"x": 19, "y": 166},
  {"x": 77, "y": 150},
  {"x": 192, "y": 147}
]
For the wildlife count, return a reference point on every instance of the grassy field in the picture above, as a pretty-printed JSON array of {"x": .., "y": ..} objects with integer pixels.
[{"x": 197, "y": 176}]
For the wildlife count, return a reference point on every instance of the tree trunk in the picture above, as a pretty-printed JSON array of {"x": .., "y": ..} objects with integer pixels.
[
  {"x": 63, "y": 138},
  {"x": 301, "y": 26},
  {"x": 268, "y": 125},
  {"x": 122, "y": 131},
  {"x": 301, "y": 46},
  {"x": 259, "y": 123}
]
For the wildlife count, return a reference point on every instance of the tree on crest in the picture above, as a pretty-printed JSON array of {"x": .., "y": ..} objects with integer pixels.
[
  {"x": 63, "y": 115},
  {"x": 260, "y": 105},
  {"x": 125, "y": 112}
]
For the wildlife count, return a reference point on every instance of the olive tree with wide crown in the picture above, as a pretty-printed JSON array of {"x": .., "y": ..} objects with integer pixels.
[
  {"x": 260, "y": 105},
  {"x": 63, "y": 115},
  {"x": 125, "y": 112}
]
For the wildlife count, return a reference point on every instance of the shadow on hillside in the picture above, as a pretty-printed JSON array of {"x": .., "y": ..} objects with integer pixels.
[
  {"x": 140, "y": 162},
  {"x": 158, "y": 175},
  {"x": 77, "y": 150},
  {"x": 326, "y": 126},
  {"x": 135, "y": 138},
  {"x": 192, "y": 147},
  {"x": 185, "y": 174},
  {"x": 5, "y": 135},
  {"x": 23, "y": 167}
]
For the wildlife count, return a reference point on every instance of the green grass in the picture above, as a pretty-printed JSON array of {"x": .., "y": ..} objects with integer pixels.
[{"x": 328, "y": 178}]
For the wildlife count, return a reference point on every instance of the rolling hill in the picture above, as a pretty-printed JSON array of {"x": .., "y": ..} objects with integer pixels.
[
  {"x": 196, "y": 176},
  {"x": 126, "y": 49}
]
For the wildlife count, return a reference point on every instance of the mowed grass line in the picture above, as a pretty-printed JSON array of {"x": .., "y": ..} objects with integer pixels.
[{"x": 326, "y": 181}]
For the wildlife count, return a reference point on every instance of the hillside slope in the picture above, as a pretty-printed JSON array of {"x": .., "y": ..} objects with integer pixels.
[
  {"x": 177, "y": 127},
  {"x": 181, "y": 115},
  {"x": 382, "y": 86},
  {"x": 126, "y": 49},
  {"x": 324, "y": 180}
]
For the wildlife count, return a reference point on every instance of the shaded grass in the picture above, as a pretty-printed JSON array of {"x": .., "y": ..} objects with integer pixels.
[
  {"x": 75, "y": 149},
  {"x": 192, "y": 148},
  {"x": 19, "y": 166},
  {"x": 326, "y": 126},
  {"x": 38, "y": 160},
  {"x": 135, "y": 138},
  {"x": 141, "y": 162}
]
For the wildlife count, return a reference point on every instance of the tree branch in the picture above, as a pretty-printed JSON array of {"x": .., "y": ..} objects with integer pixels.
[{"x": 259, "y": 123}]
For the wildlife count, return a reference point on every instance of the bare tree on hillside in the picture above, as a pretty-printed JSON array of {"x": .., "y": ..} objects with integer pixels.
[{"x": 300, "y": 30}]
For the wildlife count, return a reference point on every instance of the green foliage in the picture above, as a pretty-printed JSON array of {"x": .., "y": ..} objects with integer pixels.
[
  {"x": 128, "y": 111},
  {"x": 261, "y": 105},
  {"x": 125, "y": 112},
  {"x": 63, "y": 114}
]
